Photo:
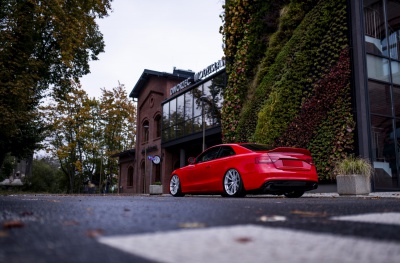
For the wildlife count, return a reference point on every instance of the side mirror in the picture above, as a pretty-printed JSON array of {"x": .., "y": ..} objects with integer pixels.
[{"x": 191, "y": 160}]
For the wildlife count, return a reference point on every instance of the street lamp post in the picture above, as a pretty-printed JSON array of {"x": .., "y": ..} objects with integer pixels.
[
  {"x": 204, "y": 97},
  {"x": 146, "y": 127}
]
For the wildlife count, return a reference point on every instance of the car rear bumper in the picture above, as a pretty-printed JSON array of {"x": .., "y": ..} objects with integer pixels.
[{"x": 284, "y": 186}]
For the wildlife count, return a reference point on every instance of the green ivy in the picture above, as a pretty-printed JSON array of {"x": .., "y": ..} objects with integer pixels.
[
  {"x": 248, "y": 25},
  {"x": 301, "y": 63},
  {"x": 289, "y": 77}
]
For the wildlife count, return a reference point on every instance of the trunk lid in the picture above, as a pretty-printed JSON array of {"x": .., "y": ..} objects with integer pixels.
[{"x": 286, "y": 158}]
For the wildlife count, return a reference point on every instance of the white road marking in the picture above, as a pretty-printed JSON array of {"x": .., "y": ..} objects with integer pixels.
[
  {"x": 251, "y": 243},
  {"x": 377, "y": 218}
]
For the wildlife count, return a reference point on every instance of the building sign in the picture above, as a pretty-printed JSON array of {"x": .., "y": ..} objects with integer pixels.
[
  {"x": 155, "y": 159},
  {"x": 213, "y": 68},
  {"x": 209, "y": 70},
  {"x": 181, "y": 86}
]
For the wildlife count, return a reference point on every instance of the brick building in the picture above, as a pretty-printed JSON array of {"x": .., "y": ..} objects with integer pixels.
[{"x": 171, "y": 108}]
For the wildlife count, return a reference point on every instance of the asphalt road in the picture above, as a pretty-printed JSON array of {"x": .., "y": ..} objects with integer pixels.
[{"x": 113, "y": 228}]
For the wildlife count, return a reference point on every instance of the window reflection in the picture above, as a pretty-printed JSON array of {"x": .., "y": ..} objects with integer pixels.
[
  {"x": 396, "y": 72},
  {"x": 197, "y": 93},
  {"x": 180, "y": 111},
  {"x": 180, "y": 129},
  {"x": 375, "y": 38},
  {"x": 165, "y": 115},
  {"x": 382, "y": 43},
  {"x": 208, "y": 104},
  {"x": 188, "y": 105},
  {"x": 183, "y": 115},
  {"x": 208, "y": 155},
  {"x": 216, "y": 91},
  {"x": 378, "y": 68},
  {"x": 396, "y": 100},
  {"x": 172, "y": 112},
  {"x": 165, "y": 124},
  {"x": 393, "y": 9},
  {"x": 197, "y": 124},
  {"x": 385, "y": 144},
  {"x": 189, "y": 126},
  {"x": 165, "y": 134},
  {"x": 380, "y": 98}
]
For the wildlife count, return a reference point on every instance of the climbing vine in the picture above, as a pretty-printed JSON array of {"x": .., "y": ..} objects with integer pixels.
[{"x": 288, "y": 74}]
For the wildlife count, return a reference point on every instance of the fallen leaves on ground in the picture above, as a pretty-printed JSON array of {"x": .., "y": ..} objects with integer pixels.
[
  {"x": 309, "y": 214},
  {"x": 13, "y": 224},
  {"x": 192, "y": 225},
  {"x": 95, "y": 232},
  {"x": 70, "y": 223},
  {"x": 243, "y": 240}
]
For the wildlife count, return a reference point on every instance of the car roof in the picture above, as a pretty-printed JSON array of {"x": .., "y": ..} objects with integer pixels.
[{"x": 254, "y": 147}]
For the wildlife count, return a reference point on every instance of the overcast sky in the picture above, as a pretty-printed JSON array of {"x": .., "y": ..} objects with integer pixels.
[{"x": 157, "y": 35}]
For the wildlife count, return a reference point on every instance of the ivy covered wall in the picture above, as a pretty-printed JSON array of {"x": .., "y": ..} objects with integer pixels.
[{"x": 288, "y": 66}]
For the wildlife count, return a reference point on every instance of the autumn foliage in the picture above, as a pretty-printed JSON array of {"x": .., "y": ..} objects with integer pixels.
[{"x": 84, "y": 133}]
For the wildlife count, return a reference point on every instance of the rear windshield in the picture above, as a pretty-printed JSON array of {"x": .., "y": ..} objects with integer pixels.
[{"x": 257, "y": 147}]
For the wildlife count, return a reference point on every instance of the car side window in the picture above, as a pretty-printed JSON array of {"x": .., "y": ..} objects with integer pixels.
[
  {"x": 226, "y": 151},
  {"x": 208, "y": 155}
]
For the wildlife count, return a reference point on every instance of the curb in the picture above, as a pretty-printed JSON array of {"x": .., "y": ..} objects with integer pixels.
[{"x": 371, "y": 195}]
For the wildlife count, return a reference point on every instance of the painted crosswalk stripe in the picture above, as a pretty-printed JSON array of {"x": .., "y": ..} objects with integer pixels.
[
  {"x": 252, "y": 243},
  {"x": 377, "y": 218}
]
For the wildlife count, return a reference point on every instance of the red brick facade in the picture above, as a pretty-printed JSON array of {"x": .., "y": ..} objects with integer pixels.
[{"x": 152, "y": 88}]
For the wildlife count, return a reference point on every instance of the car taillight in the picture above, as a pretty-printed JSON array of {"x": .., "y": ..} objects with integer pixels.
[
  {"x": 263, "y": 159},
  {"x": 309, "y": 160}
]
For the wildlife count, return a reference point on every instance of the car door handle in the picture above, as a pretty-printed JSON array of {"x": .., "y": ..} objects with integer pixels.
[{"x": 208, "y": 166}]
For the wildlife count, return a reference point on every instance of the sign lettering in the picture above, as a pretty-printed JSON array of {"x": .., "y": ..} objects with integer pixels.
[{"x": 198, "y": 76}]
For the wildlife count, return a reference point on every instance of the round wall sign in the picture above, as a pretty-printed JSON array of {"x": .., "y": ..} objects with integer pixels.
[{"x": 156, "y": 159}]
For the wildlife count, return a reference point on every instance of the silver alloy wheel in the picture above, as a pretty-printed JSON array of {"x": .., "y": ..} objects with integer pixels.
[
  {"x": 232, "y": 182},
  {"x": 174, "y": 185}
]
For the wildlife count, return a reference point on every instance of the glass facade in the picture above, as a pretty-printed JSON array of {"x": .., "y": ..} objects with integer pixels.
[
  {"x": 183, "y": 114},
  {"x": 382, "y": 45}
]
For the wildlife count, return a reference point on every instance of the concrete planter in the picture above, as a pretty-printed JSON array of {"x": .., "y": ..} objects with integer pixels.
[
  {"x": 354, "y": 184},
  {"x": 155, "y": 189}
]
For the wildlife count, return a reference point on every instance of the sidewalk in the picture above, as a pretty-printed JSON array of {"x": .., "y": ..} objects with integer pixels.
[{"x": 330, "y": 190}]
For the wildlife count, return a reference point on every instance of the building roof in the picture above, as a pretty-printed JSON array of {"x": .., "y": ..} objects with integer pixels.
[
  {"x": 177, "y": 74},
  {"x": 129, "y": 152}
]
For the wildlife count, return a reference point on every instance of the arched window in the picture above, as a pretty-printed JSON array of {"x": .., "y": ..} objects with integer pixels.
[
  {"x": 157, "y": 122},
  {"x": 145, "y": 131},
  {"x": 130, "y": 176}
]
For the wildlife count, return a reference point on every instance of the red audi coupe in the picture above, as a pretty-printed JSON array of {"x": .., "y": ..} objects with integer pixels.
[{"x": 237, "y": 169}]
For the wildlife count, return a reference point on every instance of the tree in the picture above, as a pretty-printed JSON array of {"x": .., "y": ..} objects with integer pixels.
[
  {"x": 86, "y": 132},
  {"x": 68, "y": 119},
  {"x": 46, "y": 176},
  {"x": 118, "y": 115},
  {"x": 43, "y": 44}
]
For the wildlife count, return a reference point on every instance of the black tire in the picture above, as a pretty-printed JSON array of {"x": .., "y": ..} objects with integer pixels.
[
  {"x": 233, "y": 184},
  {"x": 294, "y": 194},
  {"x": 175, "y": 186}
]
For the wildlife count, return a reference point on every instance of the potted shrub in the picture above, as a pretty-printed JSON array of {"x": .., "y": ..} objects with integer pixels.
[
  {"x": 353, "y": 176},
  {"x": 156, "y": 188}
]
